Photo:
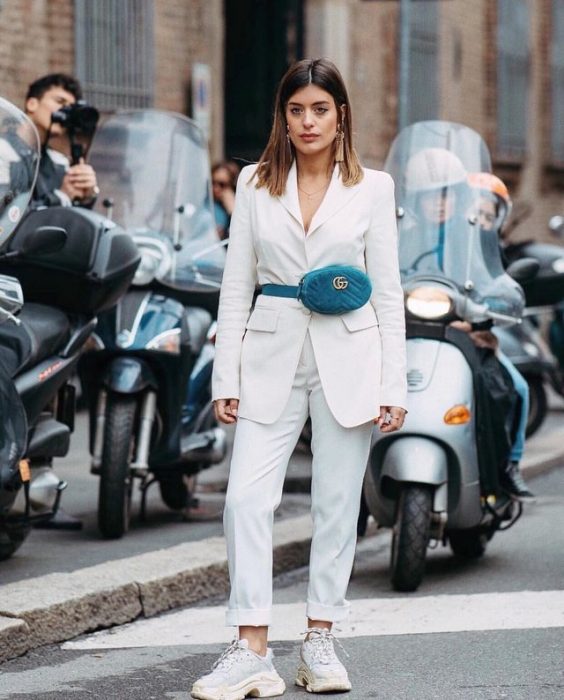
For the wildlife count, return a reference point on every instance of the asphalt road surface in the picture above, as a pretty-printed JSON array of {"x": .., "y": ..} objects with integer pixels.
[
  {"x": 46, "y": 551},
  {"x": 486, "y": 629}
]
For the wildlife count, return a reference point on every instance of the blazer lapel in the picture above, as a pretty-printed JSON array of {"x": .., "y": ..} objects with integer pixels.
[
  {"x": 336, "y": 197},
  {"x": 289, "y": 198}
]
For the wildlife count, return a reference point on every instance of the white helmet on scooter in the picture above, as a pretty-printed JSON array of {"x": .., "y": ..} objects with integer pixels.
[{"x": 433, "y": 168}]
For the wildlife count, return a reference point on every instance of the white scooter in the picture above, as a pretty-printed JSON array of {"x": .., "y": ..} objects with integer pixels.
[{"x": 437, "y": 479}]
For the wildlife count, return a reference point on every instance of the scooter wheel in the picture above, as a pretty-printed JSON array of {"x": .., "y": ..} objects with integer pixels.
[
  {"x": 11, "y": 539},
  {"x": 537, "y": 405},
  {"x": 174, "y": 492},
  {"x": 411, "y": 536},
  {"x": 116, "y": 481}
]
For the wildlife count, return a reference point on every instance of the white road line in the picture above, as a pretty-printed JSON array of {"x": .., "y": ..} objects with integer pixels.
[{"x": 369, "y": 617}]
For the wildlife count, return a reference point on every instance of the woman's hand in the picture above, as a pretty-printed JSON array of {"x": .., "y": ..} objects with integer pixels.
[
  {"x": 226, "y": 410},
  {"x": 390, "y": 419}
]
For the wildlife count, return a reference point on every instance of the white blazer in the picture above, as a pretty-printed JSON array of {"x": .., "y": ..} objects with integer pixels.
[{"x": 360, "y": 354}]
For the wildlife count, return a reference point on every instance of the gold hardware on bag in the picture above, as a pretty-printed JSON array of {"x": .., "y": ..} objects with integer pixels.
[{"x": 340, "y": 282}]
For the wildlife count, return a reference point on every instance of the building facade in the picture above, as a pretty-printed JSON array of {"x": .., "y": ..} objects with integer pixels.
[{"x": 495, "y": 65}]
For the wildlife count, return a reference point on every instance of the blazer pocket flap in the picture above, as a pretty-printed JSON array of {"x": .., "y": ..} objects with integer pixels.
[
  {"x": 359, "y": 319},
  {"x": 264, "y": 320}
]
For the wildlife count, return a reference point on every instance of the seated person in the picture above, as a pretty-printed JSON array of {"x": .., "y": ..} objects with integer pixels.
[
  {"x": 494, "y": 209},
  {"x": 224, "y": 181}
]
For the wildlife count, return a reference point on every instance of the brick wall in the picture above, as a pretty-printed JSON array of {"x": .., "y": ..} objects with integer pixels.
[
  {"x": 186, "y": 33},
  {"x": 467, "y": 79},
  {"x": 37, "y": 37}
]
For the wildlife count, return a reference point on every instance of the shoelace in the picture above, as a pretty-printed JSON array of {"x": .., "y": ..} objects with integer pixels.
[
  {"x": 227, "y": 659},
  {"x": 322, "y": 645}
]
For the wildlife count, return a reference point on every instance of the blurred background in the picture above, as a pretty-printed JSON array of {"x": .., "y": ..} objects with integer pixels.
[{"x": 495, "y": 65}]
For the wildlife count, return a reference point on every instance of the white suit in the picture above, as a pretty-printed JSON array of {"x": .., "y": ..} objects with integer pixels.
[
  {"x": 284, "y": 363},
  {"x": 360, "y": 354}
]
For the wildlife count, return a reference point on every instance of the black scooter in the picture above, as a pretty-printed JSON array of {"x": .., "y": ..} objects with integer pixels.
[
  {"x": 537, "y": 352},
  {"x": 69, "y": 264},
  {"x": 148, "y": 381}
]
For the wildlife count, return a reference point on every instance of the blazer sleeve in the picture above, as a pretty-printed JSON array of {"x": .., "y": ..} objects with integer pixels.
[
  {"x": 382, "y": 266},
  {"x": 236, "y": 297}
]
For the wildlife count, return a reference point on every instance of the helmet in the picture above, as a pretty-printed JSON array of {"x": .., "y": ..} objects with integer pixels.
[
  {"x": 495, "y": 188},
  {"x": 433, "y": 168}
]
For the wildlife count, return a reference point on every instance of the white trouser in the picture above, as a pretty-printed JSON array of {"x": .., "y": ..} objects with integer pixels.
[{"x": 258, "y": 467}]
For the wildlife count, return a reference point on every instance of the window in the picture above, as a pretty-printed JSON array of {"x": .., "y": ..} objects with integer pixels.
[
  {"x": 423, "y": 61},
  {"x": 114, "y": 52},
  {"x": 513, "y": 64},
  {"x": 557, "y": 80}
]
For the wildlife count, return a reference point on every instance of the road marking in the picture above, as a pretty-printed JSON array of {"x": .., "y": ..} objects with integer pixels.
[{"x": 369, "y": 617}]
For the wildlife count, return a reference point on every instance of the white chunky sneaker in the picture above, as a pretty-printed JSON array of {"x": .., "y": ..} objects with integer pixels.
[
  {"x": 240, "y": 672},
  {"x": 320, "y": 671}
]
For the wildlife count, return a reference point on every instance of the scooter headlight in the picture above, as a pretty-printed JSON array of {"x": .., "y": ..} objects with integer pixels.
[
  {"x": 147, "y": 269},
  {"x": 169, "y": 341},
  {"x": 429, "y": 303}
]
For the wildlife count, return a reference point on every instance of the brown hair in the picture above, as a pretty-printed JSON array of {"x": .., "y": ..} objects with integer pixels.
[
  {"x": 231, "y": 168},
  {"x": 277, "y": 157}
]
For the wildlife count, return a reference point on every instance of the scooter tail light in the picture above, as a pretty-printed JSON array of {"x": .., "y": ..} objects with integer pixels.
[{"x": 457, "y": 415}]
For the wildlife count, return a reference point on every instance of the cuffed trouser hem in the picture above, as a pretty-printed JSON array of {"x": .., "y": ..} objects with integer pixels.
[
  {"x": 327, "y": 613},
  {"x": 252, "y": 618}
]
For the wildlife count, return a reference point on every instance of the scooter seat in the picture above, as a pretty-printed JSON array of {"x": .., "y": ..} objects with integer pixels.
[
  {"x": 198, "y": 321},
  {"x": 43, "y": 332}
]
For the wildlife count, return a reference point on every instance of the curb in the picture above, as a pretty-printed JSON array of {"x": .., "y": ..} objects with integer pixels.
[{"x": 58, "y": 606}]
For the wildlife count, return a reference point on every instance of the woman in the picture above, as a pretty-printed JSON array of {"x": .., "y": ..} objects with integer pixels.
[
  {"x": 224, "y": 178},
  {"x": 306, "y": 205}
]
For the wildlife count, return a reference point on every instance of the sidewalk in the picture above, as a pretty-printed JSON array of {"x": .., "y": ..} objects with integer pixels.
[{"x": 59, "y": 606}]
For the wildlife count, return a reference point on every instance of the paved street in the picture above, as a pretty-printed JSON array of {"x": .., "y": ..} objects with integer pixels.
[
  {"x": 489, "y": 629},
  {"x": 46, "y": 551}
]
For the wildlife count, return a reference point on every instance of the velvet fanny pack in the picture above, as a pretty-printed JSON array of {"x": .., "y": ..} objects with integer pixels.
[{"x": 334, "y": 289}]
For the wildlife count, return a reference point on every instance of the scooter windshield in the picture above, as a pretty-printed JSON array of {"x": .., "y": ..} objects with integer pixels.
[
  {"x": 19, "y": 161},
  {"x": 445, "y": 224},
  {"x": 154, "y": 174}
]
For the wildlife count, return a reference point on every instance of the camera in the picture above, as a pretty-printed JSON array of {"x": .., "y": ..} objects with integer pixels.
[{"x": 78, "y": 119}]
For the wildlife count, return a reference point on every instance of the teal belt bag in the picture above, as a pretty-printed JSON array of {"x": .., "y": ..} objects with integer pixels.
[{"x": 334, "y": 289}]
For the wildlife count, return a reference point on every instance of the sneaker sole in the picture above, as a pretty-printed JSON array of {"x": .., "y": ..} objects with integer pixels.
[
  {"x": 305, "y": 679},
  {"x": 259, "y": 686}
]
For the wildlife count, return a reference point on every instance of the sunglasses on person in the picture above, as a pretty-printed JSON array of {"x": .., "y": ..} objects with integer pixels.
[{"x": 222, "y": 184}]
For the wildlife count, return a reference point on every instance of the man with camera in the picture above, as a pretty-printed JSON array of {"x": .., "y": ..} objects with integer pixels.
[{"x": 54, "y": 104}]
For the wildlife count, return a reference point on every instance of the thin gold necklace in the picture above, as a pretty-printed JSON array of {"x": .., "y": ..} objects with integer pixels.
[{"x": 309, "y": 195}]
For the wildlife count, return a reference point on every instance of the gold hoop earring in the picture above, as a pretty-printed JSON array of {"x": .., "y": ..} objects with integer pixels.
[{"x": 340, "y": 145}]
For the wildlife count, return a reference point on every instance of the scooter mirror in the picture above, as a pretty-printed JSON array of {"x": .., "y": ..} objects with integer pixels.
[
  {"x": 523, "y": 270},
  {"x": 556, "y": 225},
  {"x": 44, "y": 240}
]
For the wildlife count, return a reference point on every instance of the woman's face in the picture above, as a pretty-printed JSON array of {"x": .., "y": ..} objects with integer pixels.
[
  {"x": 221, "y": 180},
  {"x": 312, "y": 118}
]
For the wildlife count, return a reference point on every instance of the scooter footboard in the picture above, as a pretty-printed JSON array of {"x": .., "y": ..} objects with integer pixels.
[{"x": 410, "y": 459}]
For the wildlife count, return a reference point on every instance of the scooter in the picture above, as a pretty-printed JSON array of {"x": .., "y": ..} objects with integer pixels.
[
  {"x": 536, "y": 347},
  {"x": 50, "y": 252},
  {"x": 147, "y": 380},
  {"x": 436, "y": 481}
]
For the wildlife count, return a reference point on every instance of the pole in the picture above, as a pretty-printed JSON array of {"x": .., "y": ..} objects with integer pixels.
[{"x": 403, "y": 103}]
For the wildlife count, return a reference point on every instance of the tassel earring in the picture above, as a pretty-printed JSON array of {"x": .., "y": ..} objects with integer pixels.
[
  {"x": 339, "y": 145},
  {"x": 288, "y": 137}
]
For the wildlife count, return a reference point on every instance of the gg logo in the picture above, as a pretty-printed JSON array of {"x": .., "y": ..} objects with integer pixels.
[{"x": 340, "y": 283}]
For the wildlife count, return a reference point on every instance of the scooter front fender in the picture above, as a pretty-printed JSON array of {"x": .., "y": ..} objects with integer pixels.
[
  {"x": 415, "y": 459},
  {"x": 128, "y": 375},
  {"x": 408, "y": 459}
]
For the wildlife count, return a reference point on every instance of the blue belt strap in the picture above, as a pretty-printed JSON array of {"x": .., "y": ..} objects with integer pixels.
[{"x": 280, "y": 290}]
